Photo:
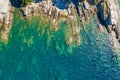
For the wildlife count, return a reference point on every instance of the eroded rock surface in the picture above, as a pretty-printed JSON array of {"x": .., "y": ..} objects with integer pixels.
[
  {"x": 108, "y": 13},
  {"x": 57, "y": 15},
  {"x": 5, "y": 18}
]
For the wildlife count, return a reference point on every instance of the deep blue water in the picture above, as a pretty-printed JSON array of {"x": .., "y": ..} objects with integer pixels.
[
  {"x": 31, "y": 55},
  {"x": 63, "y": 4}
]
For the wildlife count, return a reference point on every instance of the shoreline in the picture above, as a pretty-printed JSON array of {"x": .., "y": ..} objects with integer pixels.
[
  {"x": 84, "y": 10},
  {"x": 6, "y": 18},
  {"x": 56, "y": 15}
]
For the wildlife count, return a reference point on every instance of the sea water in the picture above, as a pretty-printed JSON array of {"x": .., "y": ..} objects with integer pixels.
[{"x": 33, "y": 52}]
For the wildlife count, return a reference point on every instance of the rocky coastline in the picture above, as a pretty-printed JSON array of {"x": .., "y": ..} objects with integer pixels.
[
  {"x": 106, "y": 12},
  {"x": 46, "y": 8},
  {"x": 6, "y": 17}
]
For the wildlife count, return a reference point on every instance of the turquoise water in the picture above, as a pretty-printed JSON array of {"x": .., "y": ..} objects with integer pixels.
[{"x": 34, "y": 52}]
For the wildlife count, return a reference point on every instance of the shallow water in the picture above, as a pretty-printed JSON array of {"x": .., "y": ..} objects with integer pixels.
[{"x": 34, "y": 53}]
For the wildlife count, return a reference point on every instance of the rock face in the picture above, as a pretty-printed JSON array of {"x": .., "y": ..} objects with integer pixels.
[
  {"x": 111, "y": 20},
  {"x": 5, "y": 18},
  {"x": 107, "y": 13},
  {"x": 110, "y": 16}
]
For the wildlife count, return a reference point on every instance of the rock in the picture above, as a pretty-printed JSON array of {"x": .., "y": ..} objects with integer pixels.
[
  {"x": 5, "y": 18},
  {"x": 63, "y": 13},
  {"x": 103, "y": 10},
  {"x": 69, "y": 41},
  {"x": 100, "y": 27},
  {"x": 109, "y": 12},
  {"x": 109, "y": 28},
  {"x": 86, "y": 4},
  {"x": 114, "y": 12},
  {"x": 78, "y": 40},
  {"x": 45, "y": 7}
]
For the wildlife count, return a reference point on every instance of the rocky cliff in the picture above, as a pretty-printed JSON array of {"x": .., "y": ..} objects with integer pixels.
[{"x": 5, "y": 18}]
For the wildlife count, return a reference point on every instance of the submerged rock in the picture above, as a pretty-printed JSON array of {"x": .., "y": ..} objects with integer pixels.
[{"x": 55, "y": 14}]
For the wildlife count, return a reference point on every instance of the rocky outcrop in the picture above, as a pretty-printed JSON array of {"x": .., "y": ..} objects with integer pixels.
[
  {"x": 5, "y": 18},
  {"x": 110, "y": 13},
  {"x": 105, "y": 11},
  {"x": 55, "y": 14},
  {"x": 110, "y": 16}
]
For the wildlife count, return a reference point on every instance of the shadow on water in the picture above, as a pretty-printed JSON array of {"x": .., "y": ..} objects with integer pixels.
[
  {"x": 99, "y": 15},
  {"x": 61, "y": 4},
  {"x": 36, "y": 1},
  {"x": 16, "y": 3}
]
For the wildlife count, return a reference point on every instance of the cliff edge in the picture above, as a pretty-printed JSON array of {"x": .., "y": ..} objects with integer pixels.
[{"x": 6, "y": 18}]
